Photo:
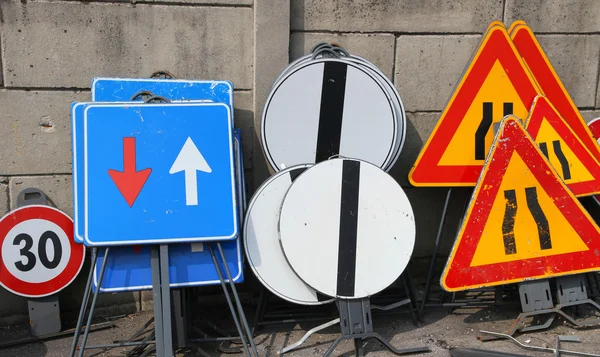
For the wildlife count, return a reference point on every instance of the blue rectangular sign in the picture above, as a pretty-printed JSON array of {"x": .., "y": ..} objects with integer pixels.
[
  {"x": 190, "y": 264},
  {"x": 152, "y": 169},
  {"x": 123, "y": 89}
]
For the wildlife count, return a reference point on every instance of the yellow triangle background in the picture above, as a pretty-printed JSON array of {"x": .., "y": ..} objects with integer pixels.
[{"x": 491, "y": 250}]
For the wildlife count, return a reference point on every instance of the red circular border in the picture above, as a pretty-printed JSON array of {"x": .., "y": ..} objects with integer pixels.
[{"x": 64, "y": 278}]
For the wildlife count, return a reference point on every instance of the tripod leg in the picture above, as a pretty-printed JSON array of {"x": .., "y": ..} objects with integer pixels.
[
  {"x": 228, "y": 298},
  {"x": 393, "y": 349},
  {"x": 334, "y": 345},
  {"x": 94, "y": 299},
  {"x": 237, "y": 300},
  {"x": 84, "y": 303}
]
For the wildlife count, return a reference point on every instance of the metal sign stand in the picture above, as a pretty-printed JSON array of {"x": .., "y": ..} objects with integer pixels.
[
  {"x": 356, "y": 324},
  {"x": 536, "y": 300},
  {"x": 44, "y": 313},
  {"x": 162, "y": 306}
]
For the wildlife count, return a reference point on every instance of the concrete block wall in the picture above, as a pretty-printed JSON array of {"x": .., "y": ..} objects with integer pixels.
[
  {"x": 428, "y": 44},
  {"x": 51, "y": 49}
]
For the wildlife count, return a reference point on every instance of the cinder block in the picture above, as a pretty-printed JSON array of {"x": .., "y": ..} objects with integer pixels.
[
  {"x": 555, "y": 15},
  {"x": 208, "y": 2},
  {"x": 575, "y": 59},
  {"x": 395, "y": 16},
  {"x": 428, "y": 68},
  {"x": 93, "y": 39},
  {"x": 4, "y": 205},
  {"x": 58, "y": 189},
  {"x": 36, "y": 131},
  {"x": 378, "y": 49},
  {"x": 244, "y": 119},
  {"x": 418, "y": 128},
  {"x": 271, "y": 55},
  {"x": 589, "y": 115}
]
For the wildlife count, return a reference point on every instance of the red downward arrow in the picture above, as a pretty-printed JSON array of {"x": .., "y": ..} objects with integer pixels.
[
  {"x": 137, "y": 249},
  {"x": 129, "y": 182}
]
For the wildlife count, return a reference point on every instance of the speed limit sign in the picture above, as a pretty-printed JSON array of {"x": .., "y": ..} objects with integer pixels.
[{"x": 39, "y": 256}]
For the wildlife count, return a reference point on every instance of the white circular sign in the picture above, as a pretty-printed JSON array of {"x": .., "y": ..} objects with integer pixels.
[
  {"x": 36, "y": 251},
  {"x": 329, "y": 107},
  {"x": 347, "y": 228},
  {"x": 261, "y": 241},
  {"x": 39, "y": 256}
]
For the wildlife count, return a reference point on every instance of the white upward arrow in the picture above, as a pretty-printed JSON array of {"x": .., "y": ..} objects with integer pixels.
[{"x": 190, "y": 160}]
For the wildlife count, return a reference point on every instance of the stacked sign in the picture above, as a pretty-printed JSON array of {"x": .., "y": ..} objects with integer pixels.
[
  {"x": 511, "y": 130},
  {"x": 332, "y": 126},
  {"x": 150, "y": 173}
]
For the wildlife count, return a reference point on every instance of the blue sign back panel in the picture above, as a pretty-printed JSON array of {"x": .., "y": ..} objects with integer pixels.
[
  {"x": 187, "y": 150},
  {"x": 123, "y": 89},
  {"x": 190, "y": 264}
]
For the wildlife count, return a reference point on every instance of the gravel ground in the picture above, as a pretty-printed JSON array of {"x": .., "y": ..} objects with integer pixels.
[{"x": 440, "y": 331}]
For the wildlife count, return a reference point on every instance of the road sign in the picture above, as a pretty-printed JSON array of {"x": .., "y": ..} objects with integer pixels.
[
  {"x": 495, "y": 84},
  {"x": 545, "y": 75},
  {"x": 570, "y": 158},
  {"x": 594, "y": 126},
  {"x": 123, "y": 89},
  {"x": 261, "y": 241},
  {"x": 141, "y": 163},
  {"x": 318, "y": 111},
  {"x": 39, "y": 256},
  {"x": 190, "y": 264},
  {"x": 347, "y": 228},
  {"x": 522, "y": 222}
]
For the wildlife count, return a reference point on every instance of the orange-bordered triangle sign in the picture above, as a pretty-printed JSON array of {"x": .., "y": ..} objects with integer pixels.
[
  {"x": 495, "y": 84},
  {"x": 570, "y": 158},
  {"x": 594, "y": 126},
  {"x": 549, "y": 83},
  {"x": 522, "y": 222}
]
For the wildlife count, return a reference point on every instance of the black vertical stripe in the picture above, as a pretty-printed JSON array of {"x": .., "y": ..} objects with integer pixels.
[
  {"x": 539, "y": 217},
  {"x": 348, "y": 228},
  {"x": 564, "y": 163},
  {"x": 296, "y": 172},
  {"x": 508, "y": 109},
  {"x": 482, "y": 130},
  {"x": 544, "y": 149},
  {"x": 508, "y": 224},
  {"x": 332, "y": 109}
]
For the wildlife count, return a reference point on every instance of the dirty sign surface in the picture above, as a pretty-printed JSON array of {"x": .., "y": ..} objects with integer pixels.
[
  {"x": 347, "y": 228},
  {"x": 495, "y": 84},
  {"x": 550, "y": 84},
  {"x": 566, "y": 152},
  {"x": 522, "y": 222}
]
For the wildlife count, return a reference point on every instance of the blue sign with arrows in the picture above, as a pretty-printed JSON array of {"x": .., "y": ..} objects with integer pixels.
[
  {"x": 190, "y": 264},
  {"x": 158, "y": 173}
]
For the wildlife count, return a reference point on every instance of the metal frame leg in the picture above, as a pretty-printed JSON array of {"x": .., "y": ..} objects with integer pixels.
[
  {"x": 84, "y": 303},
  {"x": 436, "y": 248},
  {"x": 237, "y": 300},
  {"x": 94, "y": 299},
  {"x": 228, "y": 298},
  {"x": 166, "y": 300},
  {"x": 157, "y": 298}
]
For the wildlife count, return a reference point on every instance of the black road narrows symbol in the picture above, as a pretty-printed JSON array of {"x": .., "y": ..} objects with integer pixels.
[
  {"x": 510, "y": 214},
  {"x": 484, "y": 127}
]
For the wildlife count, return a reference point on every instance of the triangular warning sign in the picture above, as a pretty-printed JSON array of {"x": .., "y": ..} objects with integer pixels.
[
  {"x": 536, "y": 60},
  {"x": 570, "y": 158},
  {"x": 522, "y": 221},
  {"x": 495, "y": 84}
]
